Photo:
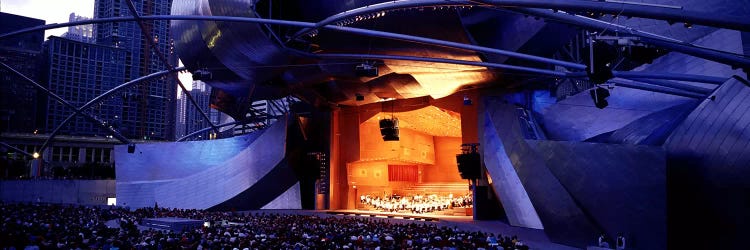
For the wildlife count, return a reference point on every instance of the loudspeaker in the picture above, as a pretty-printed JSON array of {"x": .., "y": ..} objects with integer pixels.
[
  {"x": 469, "y": 165},
  {"x": 389, "y": 129},
  {"x": 131, "y": 148},
  {"x": 600, "y": 97}
]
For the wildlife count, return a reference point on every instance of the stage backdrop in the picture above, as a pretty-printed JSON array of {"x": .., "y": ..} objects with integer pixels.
[{"x": 240, "y": 173}]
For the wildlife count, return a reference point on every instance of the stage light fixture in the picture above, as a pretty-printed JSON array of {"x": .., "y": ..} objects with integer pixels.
[
  {"x": 601, "y": 55},
  {"x": 202, "y": 75},
  {"x": 359, "y": 97},
  {"x": 389, "y": 129},
  {"x": 35, "y": 155},
  {"x": 131, "y": 148},
  {"x": 467, "y": 101},
  {"x": 366, "y": 70},
  {"x": 599, "y": 95}
]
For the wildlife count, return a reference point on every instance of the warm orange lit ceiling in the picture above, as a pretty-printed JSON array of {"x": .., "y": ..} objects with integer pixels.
[
  {"x": 441, "y": 79},
  {"x": 430, "y": 120}
]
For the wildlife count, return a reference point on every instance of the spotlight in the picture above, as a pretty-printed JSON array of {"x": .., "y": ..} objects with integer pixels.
[
  {"x": 202, "y": 75},
  {"x": 359, "y": 97},
  {"x": 467, "y": 101},
  {"x": 35, "y": 155},
  {"x": 599, "y": 95},
  {"x": 366, "y": 70}
]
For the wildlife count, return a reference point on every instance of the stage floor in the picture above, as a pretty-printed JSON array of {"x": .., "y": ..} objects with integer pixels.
[
  {"x": 395, "y": 215},
  {"x": 172, "y": 223}
]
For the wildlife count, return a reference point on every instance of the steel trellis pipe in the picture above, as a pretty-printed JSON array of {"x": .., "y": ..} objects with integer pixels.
[
  {"x": 147, "y": 34},
  {"x": 105, "y": 95},
  {"x": 633, "y": 10},
  {"x": 209, "y": 128},
  {"x": 359, "y": 31},
  {"x": 728, "y": 58},
  {"x": 441, "y": 60},
  {"x": 115, "y": 133},
  {"x": 651, "y": 12}
]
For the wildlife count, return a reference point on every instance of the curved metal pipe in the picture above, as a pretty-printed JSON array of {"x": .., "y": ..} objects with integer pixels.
[
  {"x": 674, "y": 85},
  {"x": 102, "y": 96},
  {"x": 670, "y": 76},
  {"x": 8, "y": 146},
  {"x": 696, "y": 51},
  {"x": 450, "y": 44},
  {"x": 735, "y": 60},
  {"x": 207, "y": 129},
  {"x": 621, "y": 74},
  {"x": 633, "y": 10},
  {"x": 651, "y": 12},
  {"x": 378, "y": 7},
  {"x": 658, "y": 89},
  {"x": 657, "y": 75},
  {"x": 359, "y": 31},
  {"x": 441, "y": 60},
  {"x": 147, "y": 33},
  {"x": 46, "y": 91},
  {"x": 676, "y": 45}
]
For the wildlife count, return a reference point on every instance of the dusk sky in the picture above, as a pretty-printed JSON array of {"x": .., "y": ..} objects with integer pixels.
[
  {"x": 58, "y": 11},
  {"x": 52, "y": 11}
]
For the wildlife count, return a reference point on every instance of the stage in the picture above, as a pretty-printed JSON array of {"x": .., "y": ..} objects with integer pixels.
[
  {"x": 172, "y": 223},
  {"x": 402, "y": 216}
]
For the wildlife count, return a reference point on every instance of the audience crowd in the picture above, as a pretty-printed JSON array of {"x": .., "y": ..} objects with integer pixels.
[
  {"x": 45, "y": 226},
  {"x": 416, "y": 204}
]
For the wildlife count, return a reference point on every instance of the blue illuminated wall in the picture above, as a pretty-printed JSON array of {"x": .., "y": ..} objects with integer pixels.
[
  {"x": 709, "y": 171},
  {"x": 574, "y": 190},
  {"x": 244, "y": 172},
  {"x": 82, "y": 192},
  {"x": 652, "y": 166}
]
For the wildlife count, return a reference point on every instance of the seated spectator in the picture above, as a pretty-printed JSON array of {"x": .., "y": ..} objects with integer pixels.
[
  {"x": 45, "y": 226},
  {"x": 603, "y": 241},
  {"x": 620, "y": 245}
]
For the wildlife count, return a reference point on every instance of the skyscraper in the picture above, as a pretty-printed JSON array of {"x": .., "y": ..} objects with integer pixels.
[
  {"x": 181, "y": 110},
  {"x": 149, "y": 110},
  {"x": 18, "y": 105},
  {"x": 79, "y": 72},
  {"x": 83, "y": 33},
  {"x": 194, "y": 120}
]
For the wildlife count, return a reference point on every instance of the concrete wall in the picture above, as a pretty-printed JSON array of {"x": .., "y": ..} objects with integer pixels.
[
  {"x": 84, "y": 192},
  {"x": 621, "y": 188},
  {"x": 369, "y": 173},
  {"x": 576, "y": 118},
  {"x": 561, "y": 217},
  {"x": 505, "y": 181},
  {"x": 445, "y": 168},
  {"x": 577, "y": 189},
  {"x": 412, "y": 146}
]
